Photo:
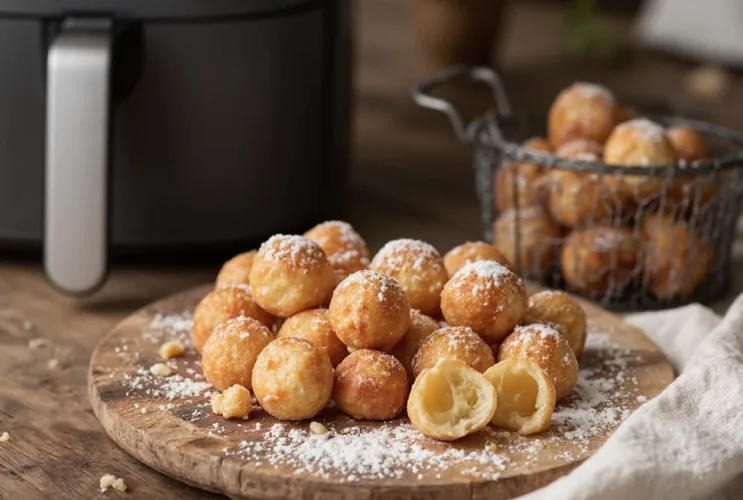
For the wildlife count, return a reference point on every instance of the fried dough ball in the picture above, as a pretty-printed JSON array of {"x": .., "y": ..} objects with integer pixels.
[
  {"x": 291, "y": 274},
  {"x": 525, "y": 176},
  {"x": 688, "y": 190},
  {"x": 472, "y": 251},
  {"x": 600, "y": 261},
  {"x": 453, "y": 342},
  {"x": 486, "y": 297},
  {"x": 418, "y": 269},
  {"x": 370, "y": 385},
  {"x": 231, "y": 351},
  {"x": 292, "y": 379},
  {"x": 534, "y": 253},
  {"x": 421, "y": 327},
  {"x": 579, "y": 199},
  {"x": 369, "y": 310},
  {"x": 526, "y": 396},
  {"x": 236, "y": 271},
  {"x": 451, "y": 400},
  {"x": 221, "y": 305},
  {"x": 545, "y": 346},
  {"x": 676, "y": 261},
  {"x": 638, "y": 142},
  {"x": 560, "y": 311},
  {"x": 582, "y": 111},
  {"x": 345, "y": 248},
  {"x": 313, "y": 325}
]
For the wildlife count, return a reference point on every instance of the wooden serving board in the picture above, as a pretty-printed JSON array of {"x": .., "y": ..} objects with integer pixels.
[{"x": 171, "y": 427}]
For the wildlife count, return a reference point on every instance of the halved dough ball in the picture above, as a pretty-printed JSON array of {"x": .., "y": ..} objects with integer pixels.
[
  {"x": 292, "y": 379},
  {"x": 236, "y": 271},
  {"x": 345, "y": 248},
  {"x": 676, "y": 260},
  {"x": 526, "y": 396},
  {"x": 545, "y": 346},
  {"x": 560, "y": 311},
  {"x": 638, "y": 143},
  {"x": 601, "y": 261},
  {"x": 524, "y": 177},
  {"x": 582, "y": 111},
  {"x": 231, "y": 351},
  {"x": 221, "y": 305},
  {"x": 418, "y": 269},
  {"x": 472, "y": 251},
  {"x": 421, "y": 327},
  {"x": 453, "y": 342},
  {"x": 370, "y": 385},
  {"x": 313, "y": 325},
  {"x": 534, "y": 252},
  {"x": 369, "y": 310},
  {"x": 486, "y": 297},
  {"x": 291, "y": 274},
  {"x": 451, "y": 400}
]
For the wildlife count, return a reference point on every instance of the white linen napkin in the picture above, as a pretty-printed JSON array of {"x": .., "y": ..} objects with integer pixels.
[{"x": 686, "y": 443}]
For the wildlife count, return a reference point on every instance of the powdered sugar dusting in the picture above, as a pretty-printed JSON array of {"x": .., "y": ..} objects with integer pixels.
[
  {"x": 647, "y": 130},
  {"x": 372, "y": 283},
  {"x": 294, "y": 249},
  {"x": 405, "y": 254},
  {"x": 594, "y": 91}
]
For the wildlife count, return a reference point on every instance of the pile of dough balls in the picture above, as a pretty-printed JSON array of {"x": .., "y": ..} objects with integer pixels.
[
  {"x": 454, "y": 341},
  {"x": 607, "y": 233}
]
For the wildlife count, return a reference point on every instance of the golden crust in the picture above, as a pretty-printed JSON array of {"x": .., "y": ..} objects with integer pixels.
[
  {"x": 600, "y": 260},
  {"x": 236, "y": 271},
  {"x": 421, "y": 327},
  {"x": 230, "y": 353},
  {"x": 536, "y": 247},
  {"x": 560, "y": 311},
  {"x": 550, "y": 350},
  {"x": 369, "y": 310},
  {"x": 314, "y": 326},
  {"x": 582, "y": 111},
  {"x": 451, "y": 400},
  {"x": 676, "y": 262},
  {"x": 578, "y": 199},
  {"x": 293, "y": 379},
  {"x": 221, "y": 305},
  {"x": 525, "y": 176},
  {"x": 472, "y": 251},
  {"x": 291, "y": 274},
  {"x": 486, "y": 297},
  {"x": 370, "y": 385},
  {"x": 418, "y": 268},
  {"x": 346, "y": 249},
  {"x": 453, "y": 342},
  {"x": 689, "y": 144}
]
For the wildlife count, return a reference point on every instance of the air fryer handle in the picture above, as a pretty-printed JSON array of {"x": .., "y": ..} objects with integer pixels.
[{"x": 78, "y": 106}]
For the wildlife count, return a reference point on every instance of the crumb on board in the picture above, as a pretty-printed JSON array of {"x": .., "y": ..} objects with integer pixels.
[
  {"x": 160, "y": 370},
  {"x": 37, "y": 343},
  {"x": 143, "y": 411},
  {"x": 234, "y": 402},
  {"x": 318, "y": 428},
  {"x": 111, "y": 481},
  {"x": 4, "y": 437},
  {"x": 27, "y": 325},
  {"x": 53, "y": 364},
  {"x": 170, "y": 350}
]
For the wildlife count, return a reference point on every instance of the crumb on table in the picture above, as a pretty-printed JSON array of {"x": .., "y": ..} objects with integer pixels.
[
  {"x": 37, "y": 343},
  {"x": 234, "y": 402},
  {"x": 318, "y": 428},
  {"x": 4, "y": 437},
  {"x": 171, "y": 350},
  {"x": 160, "y": 370},
  {"x": 111, "y": 481},
  {"x": 53, "y": 364}
]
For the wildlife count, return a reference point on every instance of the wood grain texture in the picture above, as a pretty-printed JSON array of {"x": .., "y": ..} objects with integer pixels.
[{"x": 188, "y": 449}]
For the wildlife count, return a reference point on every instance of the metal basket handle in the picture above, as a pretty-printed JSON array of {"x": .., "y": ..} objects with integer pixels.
[{"x": 421, "y": 94}]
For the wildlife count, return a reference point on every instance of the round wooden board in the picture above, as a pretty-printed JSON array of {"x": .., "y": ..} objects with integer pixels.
[{"x": 183, "y": 439}]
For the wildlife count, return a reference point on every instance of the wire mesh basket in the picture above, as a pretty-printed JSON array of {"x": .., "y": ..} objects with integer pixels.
[{"x": 626, "y": 237}]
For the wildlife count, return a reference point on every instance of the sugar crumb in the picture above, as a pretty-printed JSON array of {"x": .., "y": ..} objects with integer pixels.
[
  {"x": 160, "y": 370},
  {"x": 4, "y": 437},
  {"x": 171, "y": 350},
  {"x": 110, "y": 481}
]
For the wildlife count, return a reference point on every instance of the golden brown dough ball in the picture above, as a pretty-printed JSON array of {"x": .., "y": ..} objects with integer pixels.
[
  {"x": 345, "y": 248},
  {"x": 370, "y": 385},
  {"x": 221, "y": 305},
  {"x": 601, "y": 261},
  {"x": 453, "y": 342},
  {"x": 526, "y": 177},
  {"x": 688, "y": 191},
  {"x": 472, "y": 251},
  {"x": 290, "y": 274},
  {"x": 421, "y": 327},
  {"x": 292, "y": 379},
  {"x": 418, "y": 268},
  {"x": 578, "y": 199},
  {"x": 537, "y": 244},
  {"x": 231, "y": 351},
  {"x": 545, "y": 346},
  {"x": 486, "y": 297},
  {"x": 689, "y": 144},
  {"x": 638, "y": 143},
  {"x": 369, "y": 310},
  {"x": 560, "y": 311},
  {"x": 236, "y": 271},
  {"x": 582, "y": 111},
  {"x": 676, "y": 261},
  {"x": 314, "y": 326}
]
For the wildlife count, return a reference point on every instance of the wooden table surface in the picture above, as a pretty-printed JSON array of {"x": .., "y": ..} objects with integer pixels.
[{"x": 410, "y": 178}]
